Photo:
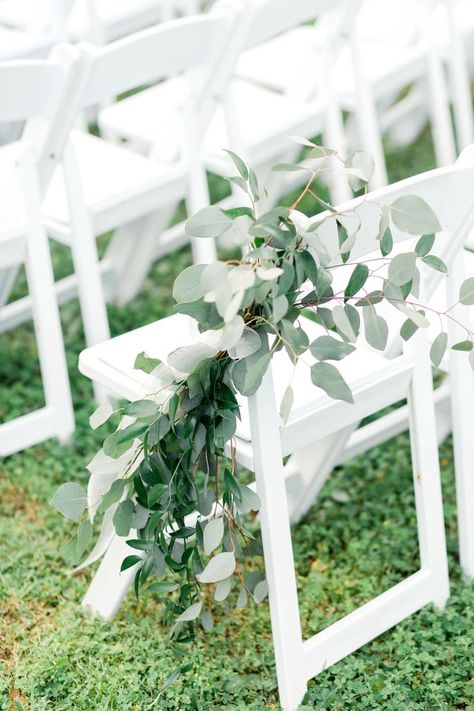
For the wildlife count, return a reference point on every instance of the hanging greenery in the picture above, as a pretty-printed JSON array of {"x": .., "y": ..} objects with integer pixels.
[{"x": 167, "y": 477}]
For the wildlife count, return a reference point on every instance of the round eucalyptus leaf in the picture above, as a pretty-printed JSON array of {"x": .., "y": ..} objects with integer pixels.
[
  {"x": 208, "y": 222},
  {"x": 70, "y": 500},
  {"x": 219, "y": 567},
  {"x": 412, "y": 214},
  {"x": 329, "y": 379},
  {"x": 466, "y": 292},
  {"x": 213, "y": 534}
]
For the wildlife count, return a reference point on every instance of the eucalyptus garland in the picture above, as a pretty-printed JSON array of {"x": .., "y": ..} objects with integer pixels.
[{"x": 167, "y": 477}]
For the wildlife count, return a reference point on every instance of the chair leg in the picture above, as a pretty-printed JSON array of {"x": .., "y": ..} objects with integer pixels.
[
  {"x": 109, "y": 586},
  {"x": 462, "y": 396},
  {"x": 277, "y": 546},
  {"x": 426, "y": 476},
  {"x": 86, "y": 263},
  {"x": 131, "y": 252},
  {"x": 45, "y": 308}
]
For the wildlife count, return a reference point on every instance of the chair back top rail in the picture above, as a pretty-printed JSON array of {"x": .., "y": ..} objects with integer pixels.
[
  {"x": 156, "y": 53},
  {"x": 448, "y": 191}
]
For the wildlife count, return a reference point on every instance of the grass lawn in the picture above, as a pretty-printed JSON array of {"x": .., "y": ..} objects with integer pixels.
[{"x": 349, "y": 548}]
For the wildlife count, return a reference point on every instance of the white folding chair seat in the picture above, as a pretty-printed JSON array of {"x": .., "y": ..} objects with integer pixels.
[
  {"x": 263, "y": 139},
  {"x": 118, "y": 186}
]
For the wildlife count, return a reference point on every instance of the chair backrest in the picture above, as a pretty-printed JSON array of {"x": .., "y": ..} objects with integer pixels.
[
  {"x": 448, "y": 191},
  {"x": 157, "y": 53},
  {"x": 273, "y": 17},
  {"x": 45, "y": 94}
]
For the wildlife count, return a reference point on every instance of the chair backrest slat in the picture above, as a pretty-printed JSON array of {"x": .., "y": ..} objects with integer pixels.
[
  {"x": 154, "y": 54},
  {"x": 29, "y": 88},
  {"x": 448, "y": 191},
  {"x": 273, "y": 17}
]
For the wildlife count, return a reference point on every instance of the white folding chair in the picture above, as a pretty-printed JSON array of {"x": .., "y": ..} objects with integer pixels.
[
  {"x": 103, "y": 187},
  {"x": 254, "y": 122},
  {"x": 42, "y": 93},
  {"x": 376, "y": 381}
]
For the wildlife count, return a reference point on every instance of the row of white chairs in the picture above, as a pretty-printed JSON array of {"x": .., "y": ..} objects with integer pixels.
[{"x": 105, "y": 185}]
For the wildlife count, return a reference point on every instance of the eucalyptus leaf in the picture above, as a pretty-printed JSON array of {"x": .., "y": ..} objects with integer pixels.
[
  {"x": 466, "y": 292},
  {"x": 248, "y": 344},
  {"x": 286, "y": 403},
  {"x": 386, "y": 242},
  {"x": 141, "y": 408},
  {"x": 363, "y": 162},
  {"x": 223, "y": 589},
  {"x": 329, "y": 348},
  {"x": 207, "y": 620},
  {"x": 242, "y": 598},
  {"x": 187, "y": 285},
  {"x": 417, "y": 317},
  {"x": 412, "y": 214},
  {"x": 424, "y": 245},
  {"x": 431, "y": 260},
  {"x": 213, "y": 534},
  {"x": 70, "y": 500},
  {"x": 357, "y": 280},
  {"x": 249, "y": 500},
  {"x": 191, "y": 613},
  {"x": 84, "y": 537},
  {"x": 438, "y": 348},
  {"x": 221, "y": 566},
  {"x": 261, "y": 591},
  {"x": 145, "y": 363},
  {"x": 463, "y": 346},
  {"x": 329, "y": 379},
  {"x": 375, "y": 329},
  {"x": 101, "y": 415},
  {"x": 401, "y": 269},
  {"x": 343, "y": 323},
  {"x": 239, "y": 163},
  {"x": 123, "y": 517},
  {"x": 208, "y": 222}
]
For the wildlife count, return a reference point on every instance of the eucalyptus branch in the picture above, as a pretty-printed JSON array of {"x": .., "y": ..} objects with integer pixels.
[{"x": 192, "y": 532}]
